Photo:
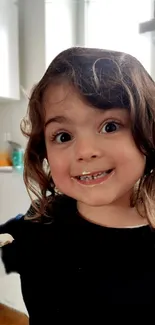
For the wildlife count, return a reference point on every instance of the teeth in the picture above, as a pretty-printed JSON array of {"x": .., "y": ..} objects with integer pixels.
[{"x": 95, "y": 176}]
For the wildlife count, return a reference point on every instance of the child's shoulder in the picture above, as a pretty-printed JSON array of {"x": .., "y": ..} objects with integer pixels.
[
  {"x": 11, "y": 227},
  {"x": 59, "y": 210},
  {"x": 24, "y": 237}
]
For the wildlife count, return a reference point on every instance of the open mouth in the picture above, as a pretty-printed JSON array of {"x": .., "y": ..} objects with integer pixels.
[{"x": 94, "y": 178}]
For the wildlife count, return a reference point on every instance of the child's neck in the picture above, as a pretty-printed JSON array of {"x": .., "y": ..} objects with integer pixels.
[{"x": 114, "y": 215}]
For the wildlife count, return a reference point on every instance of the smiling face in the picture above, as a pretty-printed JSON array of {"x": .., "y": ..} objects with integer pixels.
[{"x": 91, "y": 152}]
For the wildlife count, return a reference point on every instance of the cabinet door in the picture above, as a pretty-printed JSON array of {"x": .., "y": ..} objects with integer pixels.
[{"x": 9, "y": 56}]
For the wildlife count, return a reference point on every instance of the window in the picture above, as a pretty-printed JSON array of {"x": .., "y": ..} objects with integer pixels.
[
  {"x": 60, "y": 26},
  {"x": 114, "y": 24}
]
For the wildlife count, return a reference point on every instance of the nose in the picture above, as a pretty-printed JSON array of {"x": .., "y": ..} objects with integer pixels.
[{"x": 87, "y": 149}]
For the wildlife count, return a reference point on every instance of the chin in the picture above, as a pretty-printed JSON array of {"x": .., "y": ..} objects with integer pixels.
[{"x": 97, "y": 202}]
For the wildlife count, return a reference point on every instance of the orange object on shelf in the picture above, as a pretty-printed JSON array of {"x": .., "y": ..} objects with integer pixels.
[{"x": 5, "y": 159}]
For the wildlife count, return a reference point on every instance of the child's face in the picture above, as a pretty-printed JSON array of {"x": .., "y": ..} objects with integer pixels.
[{"x": 82, "y": 139}]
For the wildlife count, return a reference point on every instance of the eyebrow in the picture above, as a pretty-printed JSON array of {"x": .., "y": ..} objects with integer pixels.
[{"x": 57, "y": 119}]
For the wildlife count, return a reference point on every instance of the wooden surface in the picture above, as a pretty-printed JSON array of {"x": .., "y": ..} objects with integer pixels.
[{"x": 10, "y": 316}]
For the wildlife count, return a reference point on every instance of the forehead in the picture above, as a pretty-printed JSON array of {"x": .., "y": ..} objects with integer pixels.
[
  {"x": 62, "y": 98},
  {"x": 57, "y": 93},
  {"x": 65, "y": 101}
]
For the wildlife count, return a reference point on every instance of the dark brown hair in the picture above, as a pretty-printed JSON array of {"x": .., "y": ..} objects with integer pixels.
[{"x": 105, "y": 79}]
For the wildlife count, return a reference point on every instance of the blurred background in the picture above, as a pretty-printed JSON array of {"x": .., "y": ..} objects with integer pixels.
[{"x": 32, "y": 33}]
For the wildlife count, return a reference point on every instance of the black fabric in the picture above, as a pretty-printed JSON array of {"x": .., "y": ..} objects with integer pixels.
[{"x": 73, "y": 267}]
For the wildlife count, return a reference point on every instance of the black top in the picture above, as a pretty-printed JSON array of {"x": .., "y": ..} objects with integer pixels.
[{"x": 73, "y": 266}]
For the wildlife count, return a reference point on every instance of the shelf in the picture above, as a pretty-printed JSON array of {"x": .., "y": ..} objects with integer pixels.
[
  {"x": 6, "y": 169},
  {"x": 147, "y": 26}
]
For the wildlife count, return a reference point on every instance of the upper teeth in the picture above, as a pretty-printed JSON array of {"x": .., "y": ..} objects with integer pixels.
[{"x": 94, "y": 176}]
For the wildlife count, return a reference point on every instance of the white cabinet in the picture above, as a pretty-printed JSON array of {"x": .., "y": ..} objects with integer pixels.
[{"x": 9, "y": 51}]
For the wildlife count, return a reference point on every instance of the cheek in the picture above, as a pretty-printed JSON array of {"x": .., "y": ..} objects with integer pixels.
[
  {"x": 59, "y": 163},
  {"x": 130, "y": 158},
  {"x": 60, "y": 172}
]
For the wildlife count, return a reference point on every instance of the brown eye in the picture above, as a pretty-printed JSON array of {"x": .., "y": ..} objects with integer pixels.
[{"x": 110, "y": 127}]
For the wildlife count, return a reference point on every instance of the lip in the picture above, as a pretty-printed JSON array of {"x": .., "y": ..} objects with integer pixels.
[{"x": 94, "y": 182}]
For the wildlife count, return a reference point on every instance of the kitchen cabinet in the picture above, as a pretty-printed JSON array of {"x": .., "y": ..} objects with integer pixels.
[{"x": 9, "y": 51}]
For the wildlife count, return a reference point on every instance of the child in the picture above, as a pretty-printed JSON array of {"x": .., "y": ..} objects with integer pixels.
[{"x": 88, "y": 240}]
